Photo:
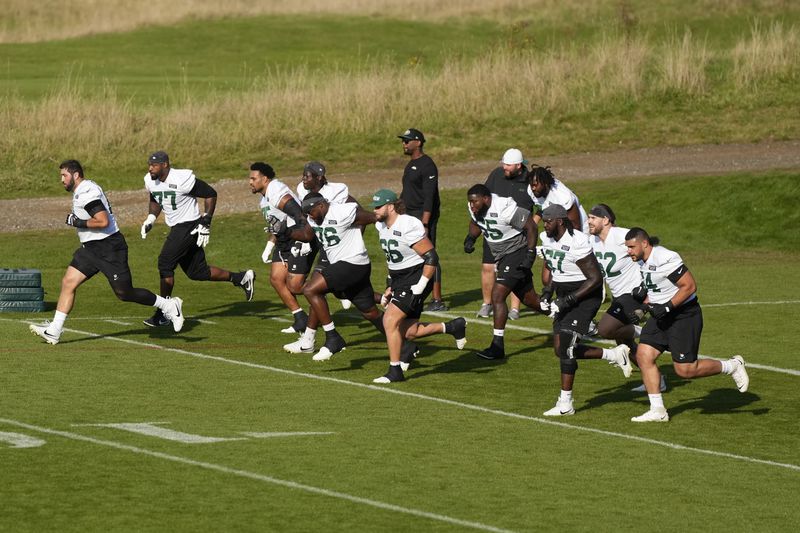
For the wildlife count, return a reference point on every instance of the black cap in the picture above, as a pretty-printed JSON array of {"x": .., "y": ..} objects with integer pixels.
[
  {"x": 311, "y": 199},
  {"x": 553, "y": 211},
  {"x": 315, "y": 167},
  {"x": 412, "y": 135},
  {"x": 158, "y": 157},
  {"x": 602, "y": 210}
]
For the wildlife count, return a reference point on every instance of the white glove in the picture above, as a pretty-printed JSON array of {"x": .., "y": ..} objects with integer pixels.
[
  {"x": 147, "y": 225},
  {"x": 544, "y": 305},
  {"x": 419, "y": 286},
  {"x": 301, "y": 249},
  {"x": 267, "y": 255},
  {"x": 554, "y": 310},
  {"x": 203, "y": 234}
]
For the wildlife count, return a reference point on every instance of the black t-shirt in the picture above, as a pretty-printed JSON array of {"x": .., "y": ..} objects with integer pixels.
[
  {"x": 515, "y": 187},
  {"x": 421, "y": 187}
]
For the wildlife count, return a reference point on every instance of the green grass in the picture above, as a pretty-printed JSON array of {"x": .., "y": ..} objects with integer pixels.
[{"x": 504, "y": 468}]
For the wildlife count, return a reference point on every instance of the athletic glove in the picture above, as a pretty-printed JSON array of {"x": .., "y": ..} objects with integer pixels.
[
  {"x": 147, "y": 225},
  {"x": 659, "y": 311},
  {"x": 469, "y": 244},
  {"x": 266, "y": 256},
  {"x": 203, "y": 231},
  {"x": 527, "y": 262},
  {"x": 419, "y": 286},
  {"x": 544, "y": 299},
  {"x": 386, "y": 296},
  {"x": 73, "y": 220},
  {"x": 301, "y": 249},
  {"x": 279, "y": 228},
  {"x": 639, "y": 293},
  {"x": 562, "y": 304},
  {"x": 635, "y": 316}
]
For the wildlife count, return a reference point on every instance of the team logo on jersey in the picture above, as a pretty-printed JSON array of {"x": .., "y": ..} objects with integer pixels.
[
  {"x": 332, "y": 222},
  {"x": 565, "y": 247},
  {"x": 173, "y": 186},
  {"x": 493, "y": 215},
  {"x": 652, "y": 268},
  {"x": 397, "y": 233}
]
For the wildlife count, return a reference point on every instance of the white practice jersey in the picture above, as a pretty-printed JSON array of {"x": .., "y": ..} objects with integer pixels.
[
  {"x": 656, "y": 271},
  {"x": 502, "y": 225},
  {"x": 621, "y": 273},
  {"x": 341, "y": 240},
  {"x": 561, "y": 194},
  {"x": 276, "y": 190},
  {"x": 84, "y": 194},
  {"x": 172, "y": 194},
  {"x": 397, "y": 241},
  {"x": 562, "y": 255},
  {"x": 334, "y": 193}
]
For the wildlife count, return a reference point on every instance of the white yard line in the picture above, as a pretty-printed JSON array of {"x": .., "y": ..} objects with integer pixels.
[
  {"x": 732, "y": 304},
  {"x": 509, "y": 325},
  {"x": 256, "y": 476},
  {"x": 444, "y": 401}
]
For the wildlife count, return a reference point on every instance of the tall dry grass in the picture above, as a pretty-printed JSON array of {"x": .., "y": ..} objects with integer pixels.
[
  {"x": 684, "y": 65},
  {"x": 772, "y": 51}
]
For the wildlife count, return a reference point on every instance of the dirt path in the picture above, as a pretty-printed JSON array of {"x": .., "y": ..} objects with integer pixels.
[{"x": 235, "y": 196}]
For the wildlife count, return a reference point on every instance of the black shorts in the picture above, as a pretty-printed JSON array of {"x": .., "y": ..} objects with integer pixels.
[
  {"x": 402, "y": 297},
  {"x": 508, "y": 273},
  {"x": 488, "y": 257},
  {"x": 346, "y": 280},
  {"x": 181, "y": 248},
  {"x": 623, "y": 307},
  {"x": 109, "y": 256},
  {"x": 323, "y": 262},
  {"x": 679, "y": 332},
  {"x": 578, "y": 317}
]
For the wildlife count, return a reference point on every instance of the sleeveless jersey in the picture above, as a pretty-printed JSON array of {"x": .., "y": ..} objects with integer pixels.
[
  {"x": 562, "y": 255},
  {"x": 173, "y": 195},
  {"x": 619, "y": 270},
  {"x": 397, "y": 241},
  {"x": 341, "y": 240},
  {"x": 85, "y": 193}
]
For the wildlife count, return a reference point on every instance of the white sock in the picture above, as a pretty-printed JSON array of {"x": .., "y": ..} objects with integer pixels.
[
  {"x": 57, "y": 324},
  {"x": 656, "y": 401},
  {"x": 499, "y": 332},
  {"x": 728, "y": 366},
  {"x": 310, "y": 333},
  {"x": 160, "y": 302},
  {"x": 329, "y": 326},
  {"x": 298, "y": 310},
  {"x": 566, "y": 396},
  {"x": 394, "y": 363},
  {"x": 607, "y": 354}
]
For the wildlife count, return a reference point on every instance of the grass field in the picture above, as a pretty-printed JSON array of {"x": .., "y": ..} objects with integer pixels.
[
  {"x": 283, "y": 87},
  {"x": 460, "y": 445}
]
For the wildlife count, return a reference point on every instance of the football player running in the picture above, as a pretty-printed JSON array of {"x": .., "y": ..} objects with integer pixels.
[{"x": 412, "y": 260}]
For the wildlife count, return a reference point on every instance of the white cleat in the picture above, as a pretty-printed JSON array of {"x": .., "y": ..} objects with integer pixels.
[
  {"x": 739, "y": 374},
  {"x": 323, "y": 354},
  {"x": 662, "y": 386},
  {"x": 653, "y": 415},
  {"x": 248, "y": 284},
  {"x": 346, "y": 304},
  {"x": 43, "y": 333},
  {"x": 301, "y": 345},
  {"x": 174, "y": 312},
  {"x": 622, "y": 359},
  {"x": 561, "y": 409},
  {"x": 290, "y": 329}
]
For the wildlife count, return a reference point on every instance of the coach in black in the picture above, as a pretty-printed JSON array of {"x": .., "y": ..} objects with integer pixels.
[{"x": 421, "y": 197}]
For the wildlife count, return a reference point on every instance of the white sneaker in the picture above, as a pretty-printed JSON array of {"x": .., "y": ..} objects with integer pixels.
[
  {"x": 346, "y": 304},
  {"x": 43, "y": 333},
  {"x": 248, "y": 284},
  {"x": 561, "y": 409},
  {"x": 622, "y": 359},
  {"x": 323, "y": 354},
  {"x": 662, "y": 386},
  {"x": 653, "y": 415},
  {"x": 739, "y": 374},
  {"x": 485, "y": 311},
  {"x": 174, "y": 312},
  {"x": 513, "y": 314},
  {"x": 301, "y": 345}
]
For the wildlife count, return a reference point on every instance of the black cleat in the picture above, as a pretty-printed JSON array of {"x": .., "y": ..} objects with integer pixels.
[
  {"x": 157, "y": 320},
  {"x": 333, "y": 344},
  {"x": 458, "y": 329},
  {"x": 493, "y": 352},
  {"x": 408, "y": 353},
  {"x": 394, "y": 375}
]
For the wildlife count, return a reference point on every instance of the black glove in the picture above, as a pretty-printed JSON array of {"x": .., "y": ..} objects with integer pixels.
[
  {"x": 639, "y": 293},
  {"x": 527, "y": 262},
  {"x": 73, "y": 220},
  {"x": 279, "y": 229},
  {"x": 544, "y": 299},
  {"x": 565, "y": 302},
  {"x": 469, "y": 243},
  {"x": 635, "y": 316},
  {"x": 659, "y": 311}
]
